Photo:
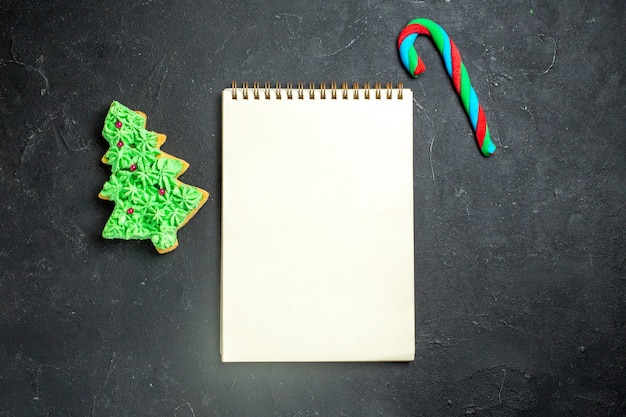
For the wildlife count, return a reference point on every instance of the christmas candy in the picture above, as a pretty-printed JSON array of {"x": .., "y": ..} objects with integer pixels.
[{"x": 455, "y": 68}]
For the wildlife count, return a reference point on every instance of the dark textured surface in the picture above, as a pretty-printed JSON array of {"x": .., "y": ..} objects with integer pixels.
[{"x": 520, "y": 258}]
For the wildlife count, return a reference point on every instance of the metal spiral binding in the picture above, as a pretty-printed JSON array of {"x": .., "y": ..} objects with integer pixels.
[{"x": 368, "y": 92}]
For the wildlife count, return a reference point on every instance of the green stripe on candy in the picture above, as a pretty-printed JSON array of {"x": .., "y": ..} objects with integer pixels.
[{"x": 466, "y": 88}]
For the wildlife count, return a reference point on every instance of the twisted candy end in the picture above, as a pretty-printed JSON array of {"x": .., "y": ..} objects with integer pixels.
[
  {"x": 488, "y": 148},
  {"x": 420, "y": 68}
]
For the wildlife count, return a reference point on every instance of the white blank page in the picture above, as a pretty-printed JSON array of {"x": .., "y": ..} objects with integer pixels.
[{"x": 317, "y": 228}]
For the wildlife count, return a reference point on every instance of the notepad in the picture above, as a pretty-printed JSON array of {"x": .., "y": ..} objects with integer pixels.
[{"x": 317, "y": 224}]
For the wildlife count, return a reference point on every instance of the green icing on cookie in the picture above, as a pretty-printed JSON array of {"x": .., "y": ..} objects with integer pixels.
[{"x": 150, "y": 201}]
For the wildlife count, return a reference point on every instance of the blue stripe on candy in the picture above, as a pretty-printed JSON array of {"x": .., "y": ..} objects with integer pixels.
[
  {"x": 405, "y": 46},
  {"x": 447, "y": 58},
  {"x": 473, "y": 107}
]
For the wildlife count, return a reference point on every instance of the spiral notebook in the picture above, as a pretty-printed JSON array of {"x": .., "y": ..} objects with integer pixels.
[{"x": 317, "y": 223}]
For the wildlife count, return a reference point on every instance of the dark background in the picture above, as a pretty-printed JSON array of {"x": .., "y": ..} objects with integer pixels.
[{"x": 520, "y": 258}]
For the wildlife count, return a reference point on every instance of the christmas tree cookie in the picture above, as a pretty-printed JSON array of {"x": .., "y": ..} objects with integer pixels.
[{"x": 150, "y": 201}]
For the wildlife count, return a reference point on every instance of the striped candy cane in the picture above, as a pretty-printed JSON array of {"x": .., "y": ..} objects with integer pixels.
[{"x": 456, "y": 71}]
